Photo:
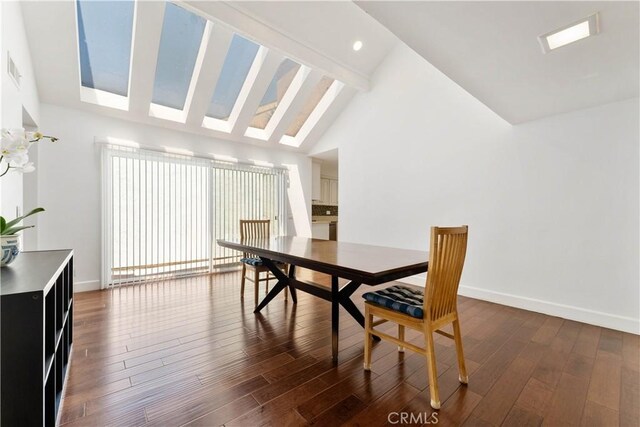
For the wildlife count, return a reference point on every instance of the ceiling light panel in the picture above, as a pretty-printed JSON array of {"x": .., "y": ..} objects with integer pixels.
[{"x": 569, "y": 34}]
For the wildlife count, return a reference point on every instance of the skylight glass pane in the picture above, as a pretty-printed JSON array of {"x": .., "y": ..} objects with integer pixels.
[
  {"x": 276, "y": 90},
  {"x": 179, "y": 45},
  {"x": 234, "y": 72},
  {"x": 309, "y": 106},
  {"x": 104, "y": 36}
]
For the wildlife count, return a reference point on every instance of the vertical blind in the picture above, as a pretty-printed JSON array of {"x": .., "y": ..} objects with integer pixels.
[{"x": 162, "y": 213}]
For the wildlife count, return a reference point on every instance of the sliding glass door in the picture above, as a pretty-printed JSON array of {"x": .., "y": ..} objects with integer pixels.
[
  {"x": 162, "y": 213},
  {"x": 245, "y": 194}
]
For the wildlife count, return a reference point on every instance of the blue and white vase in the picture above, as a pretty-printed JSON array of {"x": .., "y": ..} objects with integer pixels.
[{"x": 10, "y": 249}]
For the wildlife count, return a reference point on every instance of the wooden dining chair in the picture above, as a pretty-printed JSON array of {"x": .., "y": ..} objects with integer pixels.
[
  {"x": 425, "y": 311},
  {"x": 256, "y": 229}
]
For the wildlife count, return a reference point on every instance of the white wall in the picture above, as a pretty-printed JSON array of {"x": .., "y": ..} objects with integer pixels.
[
  {"x": 69, "y": 179},
  {"x": 552, "y": 204},
  {"x": 14, "y": 99}
]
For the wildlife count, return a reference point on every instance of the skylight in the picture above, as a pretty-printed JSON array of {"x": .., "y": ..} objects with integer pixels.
[
  {"x": 179, "y": 45},
  {"x": 205, "y": 75},
  {"x": 232, "y": 77},
  {"x": 275, "y": 92},
  {"x": 318, "y": 92},
  {"x": 104, "y": 35}
]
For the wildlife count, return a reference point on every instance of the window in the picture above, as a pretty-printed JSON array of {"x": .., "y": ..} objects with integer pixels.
[
  {"x": 179, "y": 45},
  {"x": 162, "y": 213},
  {"x": 245, "y": 193},
  {"x": 320, "y": 90},
  {"x": 104, "y": 35},
  {"x": 234, "y": 72},
  {"x": 276, "y": 90}
]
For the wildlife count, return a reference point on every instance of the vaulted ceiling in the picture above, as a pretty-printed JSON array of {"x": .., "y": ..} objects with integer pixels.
[
  {"x": 266, "y": 73},
  {"x": 491, "y": 49}
]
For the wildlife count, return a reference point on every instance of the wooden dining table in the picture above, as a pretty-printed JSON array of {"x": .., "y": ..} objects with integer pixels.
[{"x": 359, "y": 264}]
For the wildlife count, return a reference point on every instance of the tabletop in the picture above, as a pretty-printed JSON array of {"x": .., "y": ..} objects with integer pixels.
[{"x": 365, "y": 263}]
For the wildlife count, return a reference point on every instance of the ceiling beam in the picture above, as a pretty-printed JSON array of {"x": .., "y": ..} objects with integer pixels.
[
  {"x": 262, "y": 71},
  {"x": 215, "y": 47},
  {"x": 147, "y": 29},
  {"x": 239, "y": 19}
]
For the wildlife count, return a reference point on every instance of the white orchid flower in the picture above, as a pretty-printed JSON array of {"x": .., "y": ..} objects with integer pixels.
[
  {"x": 21, "y": 146},
  {"x": 7, "y": 151},
  {"x": 18, "y": 159},
  {"x": 14, "y": 149},
  {"x": 12, "y": 139},
  {"x": 14, "y": 155},
  {"x": 26, "y": 168},
  {"x": 14, "y": 152},
  {"x": 33, "y": 136},
  {"x": 17, "y": 134}
]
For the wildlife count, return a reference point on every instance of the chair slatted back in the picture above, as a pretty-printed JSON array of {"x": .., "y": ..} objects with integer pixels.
[
  {"x": 254, "y": 229},
  {"x": 448, "y": 248}
]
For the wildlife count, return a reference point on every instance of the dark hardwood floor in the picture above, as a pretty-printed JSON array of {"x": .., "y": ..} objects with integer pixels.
[{"x": 190, "y": 352}]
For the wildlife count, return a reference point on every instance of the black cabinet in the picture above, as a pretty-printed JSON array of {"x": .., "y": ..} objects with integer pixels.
[{"x": 36, "y": 311}]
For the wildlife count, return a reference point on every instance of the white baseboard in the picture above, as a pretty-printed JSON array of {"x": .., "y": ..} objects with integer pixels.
[
  {"x": 593, "y": 317},
  {"x": 86, "y": 286}
]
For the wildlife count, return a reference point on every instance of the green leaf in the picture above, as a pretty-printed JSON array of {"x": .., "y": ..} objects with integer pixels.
[
  {"x": 13, "y": 230},
  {"x": 3, "y": 224},
  {"x": 20, "y": 218}
]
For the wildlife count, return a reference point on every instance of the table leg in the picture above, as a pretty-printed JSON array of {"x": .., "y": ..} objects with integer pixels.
[
  {"x": 352, "y": 310},
  {"x": 292, "y": 289},
  {"x": 347, "y": 303},
  {"x": 283, "y": 282},
  {"x": 335, "y": 318}
]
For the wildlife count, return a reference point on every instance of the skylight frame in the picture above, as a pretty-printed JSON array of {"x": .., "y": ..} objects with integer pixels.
[
  {"x": 236, "y": 127},
  {"x": 284, "y": 75},
  {"x": 316, "y": 115},
  {"x": 285, "y": 103},
  {"x": 96, "y": 96},
  {"x": 228, "y": 125},
  {"x": 180, "y": 115},
  {"x": 238, "y": 59}
]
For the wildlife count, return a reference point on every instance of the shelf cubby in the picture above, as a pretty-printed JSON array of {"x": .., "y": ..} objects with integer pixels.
[{"x": 36, "y": 318}]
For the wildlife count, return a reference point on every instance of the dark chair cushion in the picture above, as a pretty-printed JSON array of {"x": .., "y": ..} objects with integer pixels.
[
  {"x": 252, "y": 261},
  {"x": 257, "y": 262},
  {"x": 403, "y": 299}
]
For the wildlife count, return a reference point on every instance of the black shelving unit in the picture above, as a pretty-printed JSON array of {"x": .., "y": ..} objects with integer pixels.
[{"x": 36, "y": 311}]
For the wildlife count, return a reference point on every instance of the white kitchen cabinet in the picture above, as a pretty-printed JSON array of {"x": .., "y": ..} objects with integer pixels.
[
  {"x": 329, "y": 191},
  {"x": 333, "y": 192},
  {"x": 325, "y": 191},
  {"x": 316, "y": 188},
  {"x": 320, "y": 230}
]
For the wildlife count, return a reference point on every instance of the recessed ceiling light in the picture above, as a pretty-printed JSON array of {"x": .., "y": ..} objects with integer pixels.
[
  {"x": 357, "y": 45},
  {"x": 571, "y": 33}
]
